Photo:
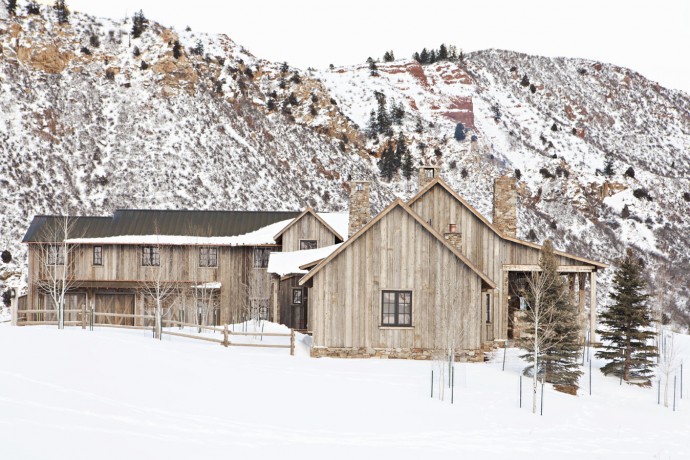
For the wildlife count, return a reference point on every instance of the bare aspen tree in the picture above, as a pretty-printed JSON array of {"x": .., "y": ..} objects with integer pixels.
[
  {"x": 161, "y": 284},
  {"x": 669, "y": 360},
  {"x": 56, "y": 264}
]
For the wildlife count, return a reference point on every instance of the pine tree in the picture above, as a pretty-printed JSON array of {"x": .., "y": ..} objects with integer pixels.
[
  {"x": 284, "y": 68},
  {"x": 400, "y": 151},
  {"x": 558, "y": 348},
  {"x": 33, "y": 8},
  {"x": 62, "y": 11},
  {"x": 403, "y": 152},
  {"x": 388, "y": 56},
  {"x": 459, "y": 132},
  {"x": 139, "y": 23},
  {"x": 627, "y": 326},
  {"x": 177, "y": 49},
  {"x": 12, "y": 7},
  {"x": 416, "y": 57},
  {"x": 608, "y": 166},
  {"x": 372, "y": 126},
  {"x": 383, "y": 121},
  {"x": 443, "y": 53},
  {"x": 424, "y": 57},
  {"x": 387, "y": 163},
  {"x": 397, "y": 113},
  {"x": 432, "y": 57}
]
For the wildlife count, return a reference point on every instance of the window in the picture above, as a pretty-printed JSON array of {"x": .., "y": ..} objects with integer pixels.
[
  {"x": 56, "y": 254},
  {"x": 98, "y": 255},
  {"x": 208, "y": 257},
  {"x": 488, "y": 308},
  {"x": 296, "y": 296},
  {"x": 307, "y": 244},
  {"x": 150, "y": 256},
  {"x": 359, "y": 187},
  {"x": 396, "y": 308},
  {"x": 261, "y": 257},
  {"x": 429, "y": 173}
]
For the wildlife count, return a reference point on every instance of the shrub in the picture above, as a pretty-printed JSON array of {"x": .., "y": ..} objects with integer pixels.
[
  {"x": 453, "y": 164},
  {"x": 437, "y": 152},
  {"x": 110, "y": 74},
  {"x": 532, "y": 88},
  {"x": 630, "y": 172},
  {"x": 271, "y": 104},
  {"x": 85, "y": 50},
  {"x": 582, "y": 71},
  {"x": 463, "y": 173},
  {"x": 7, "y": 298},
  {"x": 546, "y": 174},
  {"x": 292, "y": 99},
  {"x": 513, "y": 69},
  {"x": 139, "y": 23},
  {"x": 562, "y": 172},
  {"x": 177, "y": 49},
  {"x": 61, "y": 11},
  {"x": 6, "y": 256},
  {"x": 295, "y": 78},
  {"x": 525, "y": 81},
  {"x": 554, "y": 127},
  {"x": 642, "y": 193},
  {"x": 686, "y": 196},
  {"x": 532, "y": 235},
  {"x": 248, "y": 72},
  {"x": 625, "y": 213},
  {"x": 518, "y": 174},
  {"x": 94, "y": 41},
  {"x": 33, "y": 8},
  {"x": 312, "y": 110},
  {"x": 144, "y": 65},
  {"x": 459, "y": 132},
  {"x": 136, "y": 52},
  {"x": 198, "y": 48}
]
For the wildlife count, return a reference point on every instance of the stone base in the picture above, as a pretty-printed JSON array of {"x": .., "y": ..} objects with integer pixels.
[{"x": 392, "y": 353}]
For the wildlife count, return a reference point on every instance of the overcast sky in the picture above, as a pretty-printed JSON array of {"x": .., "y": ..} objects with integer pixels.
[{"x": 651, "y": 37}]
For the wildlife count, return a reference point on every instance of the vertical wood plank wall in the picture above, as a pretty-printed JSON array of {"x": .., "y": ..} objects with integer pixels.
[
  {"x": 396, "y": 253},
  {"x": 307, "y": 228}
]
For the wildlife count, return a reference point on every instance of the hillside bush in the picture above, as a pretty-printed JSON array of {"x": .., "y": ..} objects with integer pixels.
[
  {"x": 642, "y": 193},
  {"x": 33, "y": 8},
  {"x": 6, "y": 256},
  {"x": 630, "y": 172}
]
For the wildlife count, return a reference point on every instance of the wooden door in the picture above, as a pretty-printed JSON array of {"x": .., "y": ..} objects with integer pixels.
[
  {"x": 299, "y": 309},
  {"x": 117, "y": 304}
]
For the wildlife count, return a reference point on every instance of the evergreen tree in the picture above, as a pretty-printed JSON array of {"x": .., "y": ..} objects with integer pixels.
[
  {"x": 387, "y": 163},
  {"x": 383, "y": 121},
  {"x": 373, "y": 69},
  {"x": 12, "y": 7},
  {"x": 608, "y": 166},
  {"x": 432, "y": 57},
  {"x": 33, "y": 8},
  {"x": 559, "y": 329},
  {"x": 424, "y": 57},
  {"x": 459, "y": 132},
  {"x": 284, "y": 68},
  {"x": 416, "y": 57},
  {"x": 62, "y": 12},
  {"x": 139, "y": 23},
  {"x": 524, "y": 81},
  {"x": 388, "y": 56},
  {"x": 372, "y": 126},
  {"x": 177, "y": 49},
  {"x": 402, "y": 153},
  {"x": 443, "y": 53},
  {"x": 397, "y": 113},
  {"x": 627, "y": 325},
  {"x": 199, "y": 49}
]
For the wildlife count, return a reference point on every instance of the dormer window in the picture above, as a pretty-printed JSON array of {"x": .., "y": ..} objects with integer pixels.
[{"x": 359, "y": 187}]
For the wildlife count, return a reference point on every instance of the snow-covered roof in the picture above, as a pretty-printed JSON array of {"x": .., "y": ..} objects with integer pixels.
[
  {"x": 211, "y": 285},
  {"x": 338, "y": 221},
  {"x": 258, "y": 237},
  {"x": 287, "y": 263}
]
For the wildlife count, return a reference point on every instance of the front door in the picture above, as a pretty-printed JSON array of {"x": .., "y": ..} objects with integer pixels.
[{"x": 299, "y": 308}]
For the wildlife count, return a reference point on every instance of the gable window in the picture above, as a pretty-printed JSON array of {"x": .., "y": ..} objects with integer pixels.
[
  {"x": 55, "y": 254},
  {"x": 396, "y": 308},
  {"x": 307, "y": 244},
  {"x": 150, "y": 256},
  {"x": 429, "y": 173},
  {"x": 98, "y": 255},
  {"x": 208, "y": 257},
  {"x": 261, "y": 257}
]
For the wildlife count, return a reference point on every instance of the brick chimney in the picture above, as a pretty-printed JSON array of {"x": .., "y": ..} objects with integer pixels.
[
  {"x": 359, "y": 206},
  {"x": 454, "y": 237},
  {"x": 426, "y": 175},
  {"x": 505, "y": 205}
]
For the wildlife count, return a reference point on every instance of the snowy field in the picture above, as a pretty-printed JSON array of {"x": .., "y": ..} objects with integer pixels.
[{"x": 119, "y": 394}]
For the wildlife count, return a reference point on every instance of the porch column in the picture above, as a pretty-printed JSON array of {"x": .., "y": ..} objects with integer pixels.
[
  {"x": 592, "y": 306},
  {"x": 581, "y": 279}
]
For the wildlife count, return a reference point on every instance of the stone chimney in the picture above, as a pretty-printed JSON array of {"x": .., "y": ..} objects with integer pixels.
[
  {"x": 426, "y": 175},
  {"x": 359, "y": 206},
  {"x": 454, "y": 237},
  {"x": 505, "y": 205}
]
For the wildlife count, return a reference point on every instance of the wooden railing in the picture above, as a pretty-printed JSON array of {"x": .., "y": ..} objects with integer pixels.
[{"x": 88, "y": 319}]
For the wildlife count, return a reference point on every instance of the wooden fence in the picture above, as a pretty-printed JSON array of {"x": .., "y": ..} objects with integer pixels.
[{"x": 87, "y": 319}]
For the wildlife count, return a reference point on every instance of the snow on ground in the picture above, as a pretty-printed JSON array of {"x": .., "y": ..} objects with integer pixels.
[{"x": 113, "y": 394}]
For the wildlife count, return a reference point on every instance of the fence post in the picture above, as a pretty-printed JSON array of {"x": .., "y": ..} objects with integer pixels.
[
  {"x": 225, "y": 336},
  {"x": 292, "y": 342}
]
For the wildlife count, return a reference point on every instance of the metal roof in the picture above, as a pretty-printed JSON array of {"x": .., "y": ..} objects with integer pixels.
[{"x": 152, "y": 222}]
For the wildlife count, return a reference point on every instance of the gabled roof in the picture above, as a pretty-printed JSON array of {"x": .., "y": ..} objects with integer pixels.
[
  {"x": 286, "y": 263},
  {"x": 440, "y": 182},
  {"x": 126, "y": 222},
  {"x": 309, "y": 210},
  {"x": 395, "y": 204}
]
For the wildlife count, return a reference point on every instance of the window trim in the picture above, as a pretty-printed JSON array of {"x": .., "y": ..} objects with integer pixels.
[
  {"x": 97, "y": 261},
  {"x": 205, "y": 261},
  {"x": 316, "y": 244},
  {"x": 153, "y": 259},
  {"x": 301, "y": 296},
  {"x": 397, "y": 324}
]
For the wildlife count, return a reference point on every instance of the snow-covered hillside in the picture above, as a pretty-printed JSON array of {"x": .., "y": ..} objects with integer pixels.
[
  {"x": 113, "y": 394},
  {"x": 92, "y": 119}
]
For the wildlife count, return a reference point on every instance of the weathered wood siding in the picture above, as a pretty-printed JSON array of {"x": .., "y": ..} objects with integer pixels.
[
  {"x": 285, "y": 307},
  {"x": 396, "y": 253},
  {"x": 307, "y": 228},
  {"x": 481, "y": 245},
  {"x": 122, "y": 268}
]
